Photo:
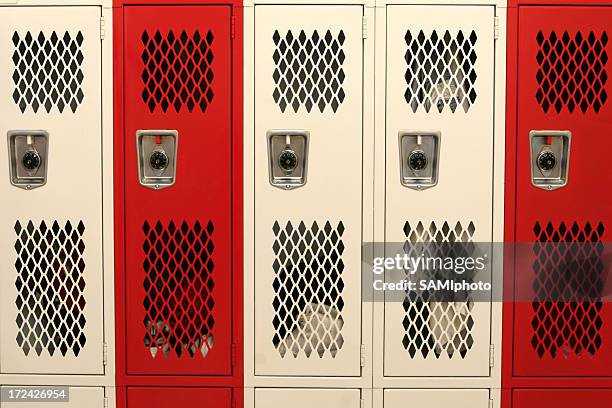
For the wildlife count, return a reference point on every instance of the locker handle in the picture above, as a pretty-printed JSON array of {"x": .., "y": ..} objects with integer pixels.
[{"x": 549, "y": 157}]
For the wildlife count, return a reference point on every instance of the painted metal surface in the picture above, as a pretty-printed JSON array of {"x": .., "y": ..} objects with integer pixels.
[{"x": 51, "y": 305}]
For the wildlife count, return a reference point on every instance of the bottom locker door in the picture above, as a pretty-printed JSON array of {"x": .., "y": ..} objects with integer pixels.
[
  {"x": 565, "y": 398},
  {"x": 436, "y": 398},
  {"x": 141, "y": 397},
  {"x": 307, "y": 398},
  {"x": 78, "y": 397}
]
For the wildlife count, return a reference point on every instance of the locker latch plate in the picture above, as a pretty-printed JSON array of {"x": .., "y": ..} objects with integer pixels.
[
  {"x": 157, "y": 154},
  {"x": 288, "y": 158},
  {"x": 28, "y": 157},
  {"x": 419, "y": 159},
  {"x": 549, "y": 151}
]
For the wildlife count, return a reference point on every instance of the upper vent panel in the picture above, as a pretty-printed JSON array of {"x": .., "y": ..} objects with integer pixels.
[
  {"x": 440, "y": 70},
  {"x": 308, "y": 70},
  {"x": 48, "y": 71},
  {"x": 571, "y": 71},
  {"x": 177, "y": 70}
]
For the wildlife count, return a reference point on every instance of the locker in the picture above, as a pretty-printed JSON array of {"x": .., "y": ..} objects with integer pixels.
[
  {"x": 51, "y": 288},
  {"x": 138, "y": 397},
  {"x": 306, "y": 398},
  {"x": 564, "y": 398},
  {"x": 177, "y": 140},
  {"x": 308, "y": 148},
  {"x": 439, "y": 193},
  {"x": 78, "y": 397},
  {"x": 436, "y": 398},
  {"x": 561, "y": 324}
]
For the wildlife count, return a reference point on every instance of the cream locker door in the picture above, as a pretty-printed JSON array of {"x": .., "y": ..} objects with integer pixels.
[
  {"x": 307, "y": 398},
  {"x": 308, "y": 77},
  {"x": 51, "y": 247},
  {"x": 78, "y": 397},
  {"x": 436, "y": 398},
  {"x": 440, "y": 64}
]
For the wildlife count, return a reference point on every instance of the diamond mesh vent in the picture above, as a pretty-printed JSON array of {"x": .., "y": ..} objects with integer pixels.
[
  {"x": 178, "y": 284},
  {"x": 308, "y": 287},
  {"x": 308, "y": 70},
  {"x": 571, "y": 71},
  {"x": 177, "y": 70},
  {"x": 433, "y": 322},
  {"x": 48, "y": 71},
  {"x": 440, "y": 71},
  {"x": 50, "y": 285},
  {"x": 568, "y": 265}
]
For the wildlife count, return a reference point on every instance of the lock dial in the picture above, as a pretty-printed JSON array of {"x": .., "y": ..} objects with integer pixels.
[
  {"x": 547, "y": 161},
  {"x": 288, "y": 160},
  {"x": 158, "y": 160},
  {"x": 31, "y": 160},
  {"x": 417, "y": 160}
]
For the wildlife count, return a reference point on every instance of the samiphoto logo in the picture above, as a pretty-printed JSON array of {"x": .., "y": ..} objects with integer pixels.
[{"x": 432, "y": 285}]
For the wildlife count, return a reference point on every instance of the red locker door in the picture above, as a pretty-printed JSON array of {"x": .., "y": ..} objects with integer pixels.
[
  {"x": 565, "y": 398},
  {"x": 178, "y": 239},
  {"x": 141, "y": 397},
  {"x": 562, "y": 326}
]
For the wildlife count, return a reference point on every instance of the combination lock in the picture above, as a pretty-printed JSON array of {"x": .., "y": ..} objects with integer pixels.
[
  {"x": 287, "y": 157},
  {"x": 158, "y": 160},
  {"x": 288, "y": 160},
  {"x": 157, "y": 157},
  {"x": 417, "y": 160},
  {"x": 31, "y": 160},
  {"x": 550, "y": 153},
  {"x": 547, "y": 161}
]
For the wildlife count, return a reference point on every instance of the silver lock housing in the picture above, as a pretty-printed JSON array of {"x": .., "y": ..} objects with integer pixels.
[
  {"x": 149, "y": 142},
  {"x": 422, "y": 148},
  {"x": 550, "y": 143},
  {"x": 33, "y": 144},
  {"x": 288, "y": 144}
]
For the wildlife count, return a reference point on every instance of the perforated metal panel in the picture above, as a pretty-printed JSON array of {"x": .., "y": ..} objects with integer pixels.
[
  {"x": 308, "y": 77},
  {"x": 567, "y": 304},
  {"x": 309, "y": 70},
  {"x": 309, "y": 279},
  {"x": 572, "y": 70},
  {"x": 177, "y": 69},
  {"x": 440, "y": 70},
  {"x": 52, "y": 285},
  {"x": 179, "y": 285},
  {"x": 432, "y": 323},
  {"x": 439, "y": 77},
  {"x": 48, "y": 70},
  {"x": 50, "y": 288}
]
